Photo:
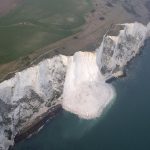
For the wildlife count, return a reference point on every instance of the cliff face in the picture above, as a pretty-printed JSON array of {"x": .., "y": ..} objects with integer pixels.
[
  {"x": 29, "y": 94},
  {"x": 77, "y": 82},
  {"x": 116, "y": 51},
  {"x": 85, "y": 92}
]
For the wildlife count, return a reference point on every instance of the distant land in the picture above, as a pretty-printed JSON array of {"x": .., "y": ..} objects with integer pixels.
[{"x": 31, "y": 31}]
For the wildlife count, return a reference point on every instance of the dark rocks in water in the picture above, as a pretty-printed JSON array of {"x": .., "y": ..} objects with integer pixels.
[{"x": 110, "y": 80}]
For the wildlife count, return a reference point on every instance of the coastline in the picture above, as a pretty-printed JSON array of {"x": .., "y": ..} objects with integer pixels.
[
  {"x": 66, "y": 46},
  {"x": 48, "y": 116},
  {"x": 37, "y": 124},
  {"x": 51, "y": 113},
  {"x": 125, "y": 121}
]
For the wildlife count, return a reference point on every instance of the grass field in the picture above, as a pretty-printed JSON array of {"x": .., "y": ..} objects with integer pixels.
[{"x": 37, "y": 23}]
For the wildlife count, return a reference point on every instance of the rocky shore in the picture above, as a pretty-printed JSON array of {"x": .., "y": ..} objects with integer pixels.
[
  {"x": 38, "y": 123},
  {"x": 28, "y": 131}
]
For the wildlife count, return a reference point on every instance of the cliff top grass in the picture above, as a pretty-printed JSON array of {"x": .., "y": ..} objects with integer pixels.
[{"x": 37, "y": 23}]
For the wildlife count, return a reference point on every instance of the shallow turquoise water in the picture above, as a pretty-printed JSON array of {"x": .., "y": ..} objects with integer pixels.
[{"x": 126, "y": 126}]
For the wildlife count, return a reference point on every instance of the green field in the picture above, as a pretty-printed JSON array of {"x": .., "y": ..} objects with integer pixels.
[{"x": 37, "y": 23}]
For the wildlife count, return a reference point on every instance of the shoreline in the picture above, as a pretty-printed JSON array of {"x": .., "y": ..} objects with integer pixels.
[
  {"x": 87, "y": 40},
  {"x": 52, "y": 112},
  {"x": 36, "y": 125}
]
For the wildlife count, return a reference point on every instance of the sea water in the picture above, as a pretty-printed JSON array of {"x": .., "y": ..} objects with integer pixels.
[{"x": 125, "y": 126}]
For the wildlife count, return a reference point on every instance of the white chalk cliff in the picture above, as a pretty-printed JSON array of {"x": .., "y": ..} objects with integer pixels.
[
  {"x": 85, "y": 91},
  {"x": 116, "y": 51},
  {"x": 77, "y": 82}
]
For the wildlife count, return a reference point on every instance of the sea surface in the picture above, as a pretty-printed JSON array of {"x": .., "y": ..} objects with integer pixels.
[{"x": 125, "y": 126}]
